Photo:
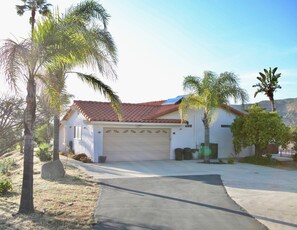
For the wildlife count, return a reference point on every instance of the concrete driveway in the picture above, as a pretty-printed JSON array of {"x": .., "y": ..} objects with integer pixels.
[{"x": 268, "y": 194}]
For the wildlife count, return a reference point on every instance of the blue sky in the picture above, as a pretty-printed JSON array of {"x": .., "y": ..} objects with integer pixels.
[{"x": 162, "y": 41}]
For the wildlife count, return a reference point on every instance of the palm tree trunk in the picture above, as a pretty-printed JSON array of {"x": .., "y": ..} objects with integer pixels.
[
  {"x": 206, "y": 137},
  {"x": 26, "y": 204},
  {"x": 33, "y": 13},
  {"x": 272, "y": 105},
  {"x": 206, "y": 143},
  {"x": 48, "y": 132},
  {"x": 56, "y": 137}
]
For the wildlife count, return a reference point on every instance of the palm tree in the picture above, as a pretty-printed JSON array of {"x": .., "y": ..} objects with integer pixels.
[
  {"x": 268, "y": 84},
  {"x": 89, "y": 45},
  {"x": 26, "y": 60},
  {"x": 34, "y": 5},
  {"x": 208, "y": 94},
  {"x": 21, "y": 59}
]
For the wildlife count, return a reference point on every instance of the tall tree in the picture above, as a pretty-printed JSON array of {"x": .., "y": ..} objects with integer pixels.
[
  {"x": 14, "y": 58},
  {"x": 90, "y": 43},
  {"x": 208, "y": 94},
  {"x": 268, "y": 84},
  {"x": 259, "y": 128},
  {"x": 27, "y": 60},
  {"x": 33, "y": 6}
]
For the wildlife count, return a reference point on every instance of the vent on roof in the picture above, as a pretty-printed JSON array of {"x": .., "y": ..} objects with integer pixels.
[{"x": 173, "y": 101}]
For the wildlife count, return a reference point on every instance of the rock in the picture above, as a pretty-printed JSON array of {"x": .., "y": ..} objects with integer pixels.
[{"x": 52, "y": 170}]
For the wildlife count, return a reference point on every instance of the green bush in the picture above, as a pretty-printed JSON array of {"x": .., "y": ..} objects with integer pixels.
[
  {"x": 6, "y": 164},
  {"x": 44, "y": 153},
  {"x": 5, "y": 186},
  {"x": 230, "y": 160},
  {"x": 294, "y": 157}
]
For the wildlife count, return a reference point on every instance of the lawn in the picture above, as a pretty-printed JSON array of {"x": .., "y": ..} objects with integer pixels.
[{"x": 67, "y": 203}]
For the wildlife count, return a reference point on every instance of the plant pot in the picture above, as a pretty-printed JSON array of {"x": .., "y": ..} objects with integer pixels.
[{"x": 102, "y": 159}]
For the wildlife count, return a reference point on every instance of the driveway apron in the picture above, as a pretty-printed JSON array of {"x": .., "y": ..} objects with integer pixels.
[{"x": 175, "y": 202}]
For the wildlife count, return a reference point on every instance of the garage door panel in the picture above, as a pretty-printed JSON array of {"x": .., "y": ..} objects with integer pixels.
[{"x": 136, "y": 144}]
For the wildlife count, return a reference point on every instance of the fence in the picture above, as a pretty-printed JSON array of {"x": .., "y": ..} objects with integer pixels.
[{"x": 286, "y": 152}]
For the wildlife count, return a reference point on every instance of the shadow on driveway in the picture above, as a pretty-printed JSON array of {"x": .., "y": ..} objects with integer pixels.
[{"x": 180, "y": 202}]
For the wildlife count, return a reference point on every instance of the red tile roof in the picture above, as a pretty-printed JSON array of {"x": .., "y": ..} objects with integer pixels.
[
  {"x": 142, "y": 112},
  {"x": 148, "y": 112},
  {"x": 231, "y": 109}
]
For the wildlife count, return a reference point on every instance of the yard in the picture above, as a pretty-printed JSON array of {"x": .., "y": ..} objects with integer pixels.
[{"x": 67, "y": 203}]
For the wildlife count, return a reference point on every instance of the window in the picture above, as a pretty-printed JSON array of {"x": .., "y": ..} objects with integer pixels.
[{"x": 77, "y": 132}]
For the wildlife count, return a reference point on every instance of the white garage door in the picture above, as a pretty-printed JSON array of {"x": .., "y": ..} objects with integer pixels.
[{"x": 120, "y": 144}]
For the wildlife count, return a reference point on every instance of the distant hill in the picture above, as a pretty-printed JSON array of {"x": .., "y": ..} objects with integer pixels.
[{"x": 286, "y": 108}]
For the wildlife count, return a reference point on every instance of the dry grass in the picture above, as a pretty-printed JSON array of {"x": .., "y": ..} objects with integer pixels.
[{"x": 67, "y": 203}]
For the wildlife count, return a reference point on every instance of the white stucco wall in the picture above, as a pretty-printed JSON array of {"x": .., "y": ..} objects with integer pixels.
[
  {"x": 98, "y": 142},
  {"x": 181, "y": 136},
  {"x": 83, "y": 145},
  {"x": 62, "y": 139}
]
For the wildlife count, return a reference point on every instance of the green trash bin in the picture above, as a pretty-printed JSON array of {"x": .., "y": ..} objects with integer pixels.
[{"x": 212, "y": 151}]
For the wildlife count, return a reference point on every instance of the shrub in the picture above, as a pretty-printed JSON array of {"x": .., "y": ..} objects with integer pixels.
[
  {"x": 44, "y": 153},
  {"x": 6, "y": 164},
  {"x": 5, "y": 186},
  {"x": 230, "y": 160},
  {"x": 294, "y": 157}
]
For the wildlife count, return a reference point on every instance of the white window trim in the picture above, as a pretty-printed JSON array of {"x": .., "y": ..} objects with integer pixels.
[{"x": 78, "y": 132}]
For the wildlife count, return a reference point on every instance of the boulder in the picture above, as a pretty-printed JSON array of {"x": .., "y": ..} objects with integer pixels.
[{"x": 52, "y": 170}]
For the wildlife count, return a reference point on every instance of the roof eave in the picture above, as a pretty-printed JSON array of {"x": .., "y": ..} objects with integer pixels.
[{"x": 135, "y": 123}]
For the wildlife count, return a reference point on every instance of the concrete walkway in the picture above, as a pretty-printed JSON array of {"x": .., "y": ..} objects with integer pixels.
[{"x": 268, "y": 194}]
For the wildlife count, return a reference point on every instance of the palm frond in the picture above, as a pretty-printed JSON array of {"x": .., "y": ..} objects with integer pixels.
[
  {"x": 274, "y": 70},
  {"x": 104, "y": 89},
  {"x": 213, "y": 91},
  {"x": 14, "y": 60},
  {"x": 268, "y": 82},
  {"x": 191, "y": 83},
  {"x": 90, "y": 10}
]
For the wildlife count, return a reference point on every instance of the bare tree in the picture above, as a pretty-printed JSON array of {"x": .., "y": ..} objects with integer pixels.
[{"x": 11, "y": 122}]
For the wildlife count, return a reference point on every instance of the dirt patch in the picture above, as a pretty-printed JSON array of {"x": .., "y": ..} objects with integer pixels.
[
  {"x": 67, "y": 203},
  {"x": 289, "y": 165}
]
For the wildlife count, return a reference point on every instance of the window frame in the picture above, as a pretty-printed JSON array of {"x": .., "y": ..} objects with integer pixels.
[{"x": 77, "y": 132}]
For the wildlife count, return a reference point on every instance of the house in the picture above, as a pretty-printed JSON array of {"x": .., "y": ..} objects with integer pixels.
[{"x": 148, "y": 131}]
